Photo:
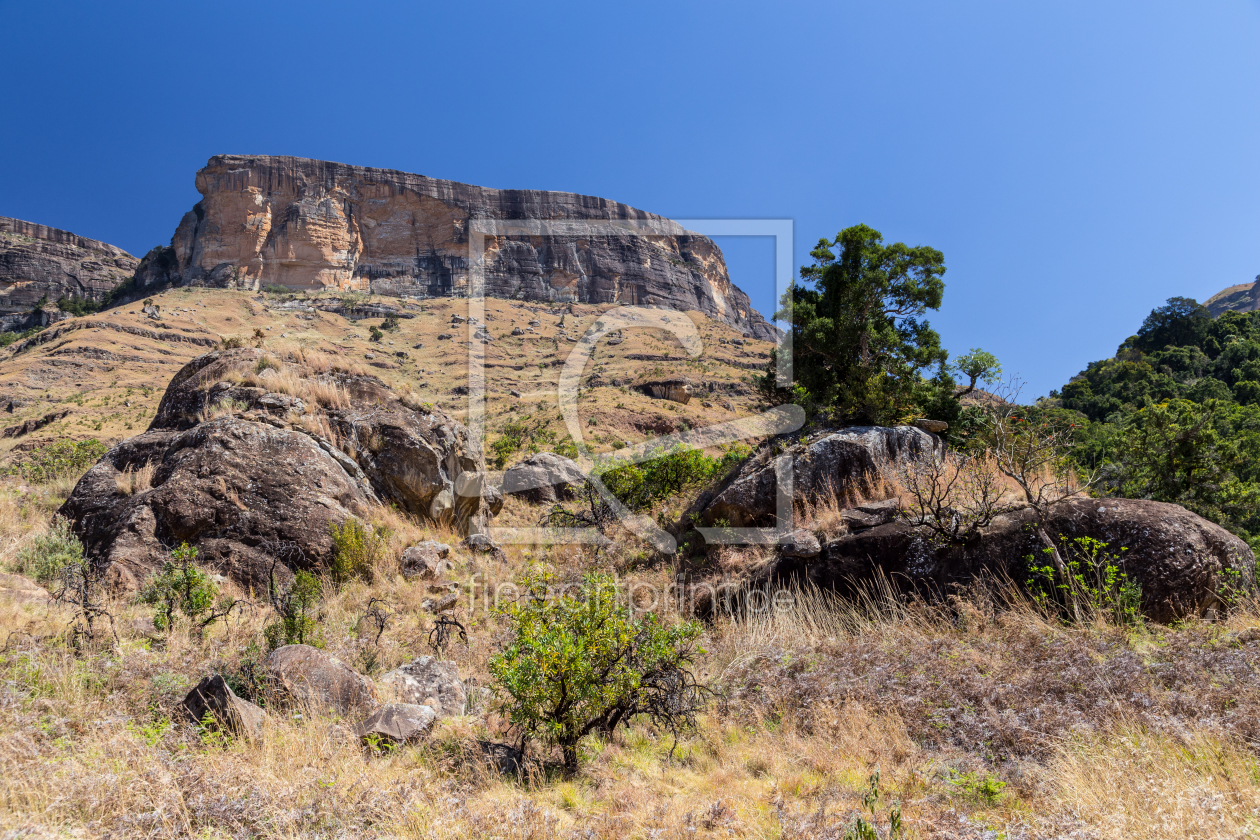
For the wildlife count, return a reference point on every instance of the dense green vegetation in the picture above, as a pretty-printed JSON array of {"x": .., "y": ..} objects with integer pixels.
[
  {"x": 1174, "y": 416},
  {"x": 56, "y": 460}
]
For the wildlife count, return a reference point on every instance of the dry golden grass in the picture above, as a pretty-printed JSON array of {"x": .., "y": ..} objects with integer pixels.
[{"x": 131, "y": 481}]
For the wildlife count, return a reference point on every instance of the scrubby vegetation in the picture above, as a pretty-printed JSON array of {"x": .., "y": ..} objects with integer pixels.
[{"x": 58, "y": 459}]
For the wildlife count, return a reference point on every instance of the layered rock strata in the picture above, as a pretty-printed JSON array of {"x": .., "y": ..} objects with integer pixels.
[
  {"x": 39, "y": 263},
  {"x": 317, "y": 225}
]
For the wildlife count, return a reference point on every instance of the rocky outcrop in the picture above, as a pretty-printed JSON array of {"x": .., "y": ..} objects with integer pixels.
[
  {"x": 843, "y": 461},
  {"x": 42, "y": 263},
  {"x": 676, "y": 390},
  {"x": 310, "y": 679},
  {"x": 427, "y": 560},
  {"x": 544, "y": 478},
  {"x": 1245, "y": 297},
  {"x": 1181, "y": 560},
  {"x": 310, "y": 224},
  {"x": 250, "y": 457}
]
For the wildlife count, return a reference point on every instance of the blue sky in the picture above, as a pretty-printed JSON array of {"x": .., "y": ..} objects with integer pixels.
[{"x": 1076, "y": 162}]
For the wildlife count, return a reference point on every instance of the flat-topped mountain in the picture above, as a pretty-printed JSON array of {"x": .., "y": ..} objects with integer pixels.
[
  {"x": 42, "y": 263},
  {"x": 315, "y": 225}
]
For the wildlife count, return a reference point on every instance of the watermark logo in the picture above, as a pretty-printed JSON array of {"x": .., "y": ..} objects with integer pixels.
[{"x": 778, "y": 420}]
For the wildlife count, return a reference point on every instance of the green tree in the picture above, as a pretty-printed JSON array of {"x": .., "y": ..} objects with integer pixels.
[
  {"x": 859, "y": 341},
  {"x": 583, "y": 663},
  {"x": 977, "y": 366}
]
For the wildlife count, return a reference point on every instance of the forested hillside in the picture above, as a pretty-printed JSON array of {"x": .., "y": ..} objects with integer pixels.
[{"x": 1174, "y": 416}]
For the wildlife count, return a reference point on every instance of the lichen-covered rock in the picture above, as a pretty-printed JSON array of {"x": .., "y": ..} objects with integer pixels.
[
  {"x": 428, "y": 682},
  {"x": 543, "y": 478},
  {"x": 676, "y": 390},
  {"x": 308, "y": 678},
  {"x": 311, "y": 224},
  {"x": 213, "y": 700},
  {"x": 427, "y": 560}
]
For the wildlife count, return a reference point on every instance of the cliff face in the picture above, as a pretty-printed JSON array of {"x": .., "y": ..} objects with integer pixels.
[
  {"x": 309, "y": 224},
  {"x": 38, "y": 261}
]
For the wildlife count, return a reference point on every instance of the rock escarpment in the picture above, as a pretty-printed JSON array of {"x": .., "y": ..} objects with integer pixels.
[
  {"x": 310, "y": 224},
  {"x": 42, "y": 263},
  {"x": 250, "y": 457}
]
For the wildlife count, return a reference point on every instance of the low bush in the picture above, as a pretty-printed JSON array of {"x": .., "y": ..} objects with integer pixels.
[
  {"x": 180, "y": 588},
  {"x": 57, "y": 460},
  {"x": 583, "y": 663},
  {"x": 639, "y": 486},
  {"x": 358, "y": 549},
  {"x": 1089, "y": 584},
  {"x": 294, "y": 622},
  {"x": 46, "y": 555}
]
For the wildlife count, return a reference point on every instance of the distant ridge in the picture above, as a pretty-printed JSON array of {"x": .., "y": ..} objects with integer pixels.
[{"x": 1245, "y": 297}]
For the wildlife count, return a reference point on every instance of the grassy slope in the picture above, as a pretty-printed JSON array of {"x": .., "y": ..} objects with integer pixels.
[{"x": 981, "y": 718}]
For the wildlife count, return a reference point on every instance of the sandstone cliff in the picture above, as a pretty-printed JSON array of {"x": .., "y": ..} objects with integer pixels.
[
  {"x": 310, "y": 224},
  {"x": 41, "y": 262}
]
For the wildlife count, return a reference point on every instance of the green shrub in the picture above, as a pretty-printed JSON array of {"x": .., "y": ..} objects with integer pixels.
[
  {"x": 1090, "y": 583},
  {"x": 639, "y": 486},
  {"x": 57, "y": 460},
  {"x": 582, "y": 663},
  {"x": 294, "y": 622},
  {"x": 78, "y": 306},
  {"x": 376, "y": 334},
  {"x": 180, "y": 588},
  {"x": 390, "y": 323},
  {"x": 232, "y": 342},
  {"x": 45, "y": 556},
  {"x": 358, "y": 548}
]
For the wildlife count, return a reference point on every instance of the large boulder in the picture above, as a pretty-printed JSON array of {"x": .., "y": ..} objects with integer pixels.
[
  {"x": 843, "y": 462},
  {"x": 251, "y": 457},
  {"x": 397, "y": 723},
  {"x": 428, "y": 682},
  {"x": 213, "y": 700},
  {"x": 426, "y": 560},
  {"x": 309, "y": 678},
  {"x": 1181, "y": 560},
  {"x": 544, "y": 478}
]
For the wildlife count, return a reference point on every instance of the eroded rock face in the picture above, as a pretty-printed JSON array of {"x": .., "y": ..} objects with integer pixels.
[
  {"x": 309, "y": 678},
  {"x": 42, "y": 262},
  {"x": 675, "y": 390},
  {"x": 252, "y": 458},
  {"x": 843, "y": 460},
  {"x": 310, "y": 224},
  {"x": 1179, "y": 558}
]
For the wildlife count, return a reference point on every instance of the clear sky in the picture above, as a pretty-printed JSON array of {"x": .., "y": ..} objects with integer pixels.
[{"x": 1076, "y": 162}]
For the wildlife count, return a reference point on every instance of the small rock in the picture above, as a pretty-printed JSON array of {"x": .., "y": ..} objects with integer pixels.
[
  {"x": 933, "y": 426},
  {"x": 428, "y": 682},
  {"x": 426, "y": 560},
  {"x": 397, "y": 723},
  {"x": 518, "y": 331},
  {"x": 445, "y": 336},
  {"x": 801, "y": 543},
  {"x": 440, "y": 605},
  {"x": 215, "y": 697},
  {"x": 309, "y": 677}
]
